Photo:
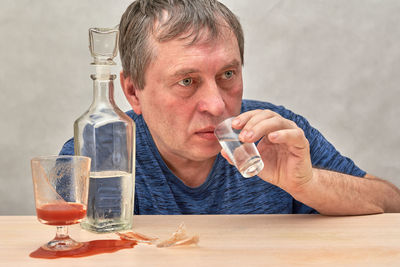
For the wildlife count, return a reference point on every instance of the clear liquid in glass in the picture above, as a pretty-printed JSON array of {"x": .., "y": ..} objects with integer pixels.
[
  {"x": 244, "y": 155},
  {"x": 109, "y": 202}
]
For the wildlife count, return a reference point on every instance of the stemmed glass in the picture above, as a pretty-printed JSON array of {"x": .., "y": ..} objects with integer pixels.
[{"x": 61, "y": 192}]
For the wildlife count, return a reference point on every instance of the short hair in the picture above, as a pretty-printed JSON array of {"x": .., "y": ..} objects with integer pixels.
[{"x": 171, "y": 19}]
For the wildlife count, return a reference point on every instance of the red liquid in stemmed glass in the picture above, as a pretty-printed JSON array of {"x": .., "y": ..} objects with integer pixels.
[
  {"x": 67, "y": 213},
  {"x": 61, "y": 213}
]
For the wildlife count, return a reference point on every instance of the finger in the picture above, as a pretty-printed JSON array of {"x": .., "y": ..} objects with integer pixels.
[
  {"x": 246, "y": 121},
  {"x": 295, "y": 140},
  {"x": 223, "y": 153},
  {"x": 255, "y": 115},
  {"x": 264, "y": 127}
]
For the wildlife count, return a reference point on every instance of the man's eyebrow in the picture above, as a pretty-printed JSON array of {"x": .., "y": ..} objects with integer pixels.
[
  {"x": 186, "y": 71},
  {"x": 183, "y": 72},
  {"x": 233, "y": 64}
]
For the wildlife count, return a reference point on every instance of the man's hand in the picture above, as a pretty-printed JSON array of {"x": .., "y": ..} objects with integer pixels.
[{"x": 283, "y": 148}]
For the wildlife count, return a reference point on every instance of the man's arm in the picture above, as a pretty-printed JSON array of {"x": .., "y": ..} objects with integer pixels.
[
  {"x": 333, "y": 193},
  {"x": 287, "y": 164}
]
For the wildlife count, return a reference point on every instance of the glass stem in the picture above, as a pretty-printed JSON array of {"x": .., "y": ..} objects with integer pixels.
[{"x": 62, "y": 232}]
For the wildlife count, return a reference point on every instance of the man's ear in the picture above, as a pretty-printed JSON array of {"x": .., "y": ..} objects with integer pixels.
[{"x": 130, "y": 92}]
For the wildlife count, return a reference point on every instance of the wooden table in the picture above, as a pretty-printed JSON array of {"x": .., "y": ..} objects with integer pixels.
[{"x": 226, "y": 240}]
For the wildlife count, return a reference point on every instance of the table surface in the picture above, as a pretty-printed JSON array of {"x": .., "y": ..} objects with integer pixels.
[{"x": 225, "y": 240}]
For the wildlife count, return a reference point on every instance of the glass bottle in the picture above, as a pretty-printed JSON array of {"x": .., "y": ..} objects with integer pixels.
[{"x": 107, "y": 135}]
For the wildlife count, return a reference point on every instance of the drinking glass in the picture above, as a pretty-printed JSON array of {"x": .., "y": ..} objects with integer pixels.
[
  {"x": 244, "y": 156},
  {"x": 61, "y": 191}
]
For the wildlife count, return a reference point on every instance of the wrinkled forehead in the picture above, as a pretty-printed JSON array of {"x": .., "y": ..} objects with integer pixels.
[{"x": 167, "y": 28}]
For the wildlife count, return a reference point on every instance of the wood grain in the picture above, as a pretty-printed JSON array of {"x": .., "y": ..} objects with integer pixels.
[{"x": 225, "y": 240}]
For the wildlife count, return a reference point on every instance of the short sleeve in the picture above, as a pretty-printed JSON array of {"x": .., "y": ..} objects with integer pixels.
[{"x": 323, "y": 154}]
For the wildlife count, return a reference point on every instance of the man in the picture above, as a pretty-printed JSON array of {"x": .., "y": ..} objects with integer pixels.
[{"x": 182, "y": 74}]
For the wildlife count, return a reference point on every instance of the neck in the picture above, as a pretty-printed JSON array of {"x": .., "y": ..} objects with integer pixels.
[{"x": 191, "y": 173}]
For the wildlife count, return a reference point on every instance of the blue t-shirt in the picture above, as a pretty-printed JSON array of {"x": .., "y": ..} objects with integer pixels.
[{"x": 225, "y": 191}]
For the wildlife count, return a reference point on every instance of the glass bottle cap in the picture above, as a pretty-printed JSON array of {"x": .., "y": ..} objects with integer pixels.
[{"x": 103, "y": 45}]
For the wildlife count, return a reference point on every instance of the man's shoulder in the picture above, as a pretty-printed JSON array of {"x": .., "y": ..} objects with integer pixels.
[{"x": 248, "y": 105}]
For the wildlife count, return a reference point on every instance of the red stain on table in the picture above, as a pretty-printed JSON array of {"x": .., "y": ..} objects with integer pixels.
[{"x": 89, "y": 248}]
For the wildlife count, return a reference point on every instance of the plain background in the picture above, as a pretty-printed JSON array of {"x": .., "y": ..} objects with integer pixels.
[{"x": 335, "y": 62}]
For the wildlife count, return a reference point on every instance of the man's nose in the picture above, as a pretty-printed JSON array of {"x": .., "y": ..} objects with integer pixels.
[{"x": 211, "y": 99}]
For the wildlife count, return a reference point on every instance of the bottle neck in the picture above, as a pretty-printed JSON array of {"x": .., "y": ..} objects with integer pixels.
[{"x": 103, "y": 90}]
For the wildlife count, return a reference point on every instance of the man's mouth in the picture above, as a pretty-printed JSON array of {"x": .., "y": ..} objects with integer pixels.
[{"x": 207, "y": 133}]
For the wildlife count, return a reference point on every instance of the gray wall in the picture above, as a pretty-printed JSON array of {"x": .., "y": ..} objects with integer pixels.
[{"x": 335, "y": 62}]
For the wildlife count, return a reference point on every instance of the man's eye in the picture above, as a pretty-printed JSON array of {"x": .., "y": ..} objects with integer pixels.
[
  {"x": 186, "y": 82},
  {"x": 228, "y": 74}
]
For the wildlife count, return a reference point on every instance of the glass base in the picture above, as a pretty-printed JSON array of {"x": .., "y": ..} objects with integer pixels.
[
  {"x": 252, "y": 167},
  {"x": 106, "y": 226},
  {"x": 62, "y": 244}
]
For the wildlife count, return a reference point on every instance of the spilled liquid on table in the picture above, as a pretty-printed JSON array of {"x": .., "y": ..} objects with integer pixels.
[
  {"x": 89, "y": 248},
  {"x": 128, "y": 239}
]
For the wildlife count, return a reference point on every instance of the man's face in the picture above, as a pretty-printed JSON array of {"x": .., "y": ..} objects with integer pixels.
[{"x": 189, "y": 90}]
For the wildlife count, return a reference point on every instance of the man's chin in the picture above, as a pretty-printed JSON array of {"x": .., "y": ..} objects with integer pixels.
[{"x": 205, "y": 154}]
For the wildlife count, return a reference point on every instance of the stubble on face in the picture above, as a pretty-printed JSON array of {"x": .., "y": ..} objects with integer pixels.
[{"x": 175, "y": 115}]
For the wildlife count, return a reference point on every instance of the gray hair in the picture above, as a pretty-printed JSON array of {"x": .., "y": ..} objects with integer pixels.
[{"x": 165, "y": 20}]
